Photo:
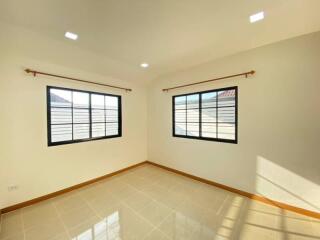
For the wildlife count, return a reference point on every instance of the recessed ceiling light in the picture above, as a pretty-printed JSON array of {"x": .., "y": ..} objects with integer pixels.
[
  {"x": 144, "y": 65},
  {"x": 71, "y": 35},
  {"x": 257, "y": 17}
]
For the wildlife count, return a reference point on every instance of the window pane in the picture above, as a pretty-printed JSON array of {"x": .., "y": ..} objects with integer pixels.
[
  {"x": 71, "y": 119},
  {"x": 226, "y": 131},
  {"x": 180, "y": 102},
  {"x": 180, "y": 129},
  {"x": 98, "y": 129},
  {"x": 226, "y": 98},
  {"x": 112, "y": 129},
  {"x": 98, "y": 115},
  {"x": 80, "y": 99},
  {"x": 193, "y": 115},
  {"x": 180, "y": 115},
  {"x": 80, "y": 131},
  {"x": 80, "y": 115},
  {"x": 209, "y": 130},
  {"x": 193, "y": 101},
  {"x": 218, "y": 108},
  {"x": 111, "y": 102},
  {"x": 60, "y": 98},
  {"x": 97, "y": 101},
  {"x": 61, "y": 115},
  {"x": 227, "y": 114},
  {"x": 209, "y": 114},
  {"x": 193, "y": 129},
  {"x": 111, "y": 115},
  {"x": 208, "y": 99},
  {"x": 61, "y": 133}
]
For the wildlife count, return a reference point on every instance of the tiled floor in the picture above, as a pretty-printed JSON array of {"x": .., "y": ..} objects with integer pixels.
[{"x": 152, "y": 204}]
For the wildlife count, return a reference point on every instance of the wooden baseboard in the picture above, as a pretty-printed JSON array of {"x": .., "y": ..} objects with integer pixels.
[
  {"x": 243, "y": 193},
  {"x": 230, "y": 189},
  {"x": 66, "y": 190}
]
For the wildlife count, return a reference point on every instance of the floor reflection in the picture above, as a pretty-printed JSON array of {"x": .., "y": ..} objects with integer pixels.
[
  {"x": 149, "y": 203},
  {"x": 107, "y": 229}
]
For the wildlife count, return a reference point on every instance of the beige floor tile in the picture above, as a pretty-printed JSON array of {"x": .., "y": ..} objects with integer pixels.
[
  {"x": 155, "y": 212},
  {"x": 15, "y": 236},
  {"x": 298, "y": 226},
  {"x": 179, "y": 226},
  {"x": 110, "y": 210},
  {"x": 289, "y": 236},
  {"x": 50, "y": 229},
  {"x": 167, "y": 182},
  {"x": 156, "y": 235},
  {"x": 253, "y": 232},
  {"x": 172, "y": 199},
  {"x": 316, "y": 227},
  {"x": 137, "y": 201},
  {"x": 192, "y": 211},
  {"x": 94, "y": 191},
  {"x": 140, "y": 183},
  {"x": 127, "y": 178},
  {"x": 184, "y": 189},
  {"x": 103, "y": 202},
  {"x": 87, "y": 229},
  {"x": 69, "y": 203},
  {"x": 124, "y": 192},
  {"x": 156, "y": 192},
  {"x": 226, "y": 228},
  {"x": 263, "y": 219},
  {"x": 113, "y": 184},
  {"x": 150, "y": 203},
  {"x": 232, "y": 212},
  {"x": 38, "y": 214},
  {"x": 11, "y": 225},
  {"x": 132, "y": 225},
  {"x": 77, "y": 216}
]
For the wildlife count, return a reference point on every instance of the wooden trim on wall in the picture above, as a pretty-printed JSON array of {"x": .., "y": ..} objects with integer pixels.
[
  {"x": 66, "y": 190},
  {"x": 230, "y": 189},
  {"x": 243, "y": 193}
]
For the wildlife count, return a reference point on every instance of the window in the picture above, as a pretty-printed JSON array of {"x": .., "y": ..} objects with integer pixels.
[
  {"x": 209, "y": 115},
  {"x": 77, "y": 116}
]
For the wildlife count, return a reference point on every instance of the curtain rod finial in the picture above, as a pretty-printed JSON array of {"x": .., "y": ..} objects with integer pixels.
[{"x": 30, "y": 71}]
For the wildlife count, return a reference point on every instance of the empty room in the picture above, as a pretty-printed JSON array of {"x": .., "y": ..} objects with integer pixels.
[{"x": 160, "y": 120}]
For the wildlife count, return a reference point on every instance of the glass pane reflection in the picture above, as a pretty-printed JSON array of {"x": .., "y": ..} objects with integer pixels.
[{"x": 106, "y": 229}]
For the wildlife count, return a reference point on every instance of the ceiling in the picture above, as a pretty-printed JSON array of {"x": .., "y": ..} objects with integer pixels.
[{"x": 171, "y": 35}]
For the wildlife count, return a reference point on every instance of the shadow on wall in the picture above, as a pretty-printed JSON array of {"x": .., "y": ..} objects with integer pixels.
[{"x": 274, "y": 180}]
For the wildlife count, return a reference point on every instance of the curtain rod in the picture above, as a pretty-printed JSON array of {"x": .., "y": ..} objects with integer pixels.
[
  {"x": 74, "y": 79},
  {"x": 211, "y": 80}
]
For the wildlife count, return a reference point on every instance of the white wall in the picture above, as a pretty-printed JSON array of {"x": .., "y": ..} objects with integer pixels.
[
  {"x": 25, "y": 158},
  {"x": 278, "y": 154}
]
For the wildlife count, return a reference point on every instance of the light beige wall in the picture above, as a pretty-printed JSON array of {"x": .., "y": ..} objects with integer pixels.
[
  {"x": 278, "y": 154},
  {"x": 25, "y": 158}
]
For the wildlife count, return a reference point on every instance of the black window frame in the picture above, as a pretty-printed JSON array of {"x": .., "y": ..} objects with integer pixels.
[
  {"x": 235, "y": 141},
  {"x": 50, "y": 143}
]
